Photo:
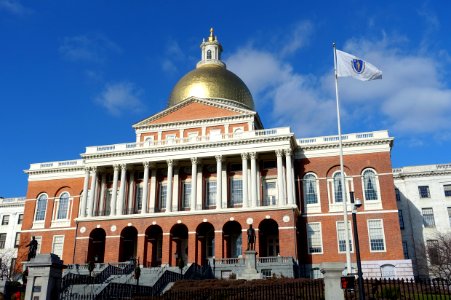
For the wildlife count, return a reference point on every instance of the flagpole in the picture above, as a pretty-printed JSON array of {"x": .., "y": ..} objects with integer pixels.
[{"x": 343, "y": 186}]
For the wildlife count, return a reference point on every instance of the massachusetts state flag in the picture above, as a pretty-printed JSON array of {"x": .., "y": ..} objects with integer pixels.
[{"x": 350, "y": 65}]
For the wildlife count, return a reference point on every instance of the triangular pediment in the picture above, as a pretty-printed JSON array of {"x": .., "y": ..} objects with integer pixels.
[{"x": 196, "y": 109}]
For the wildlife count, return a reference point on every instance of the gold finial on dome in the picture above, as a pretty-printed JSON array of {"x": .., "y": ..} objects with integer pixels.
[{"x": 211, "y": 38}]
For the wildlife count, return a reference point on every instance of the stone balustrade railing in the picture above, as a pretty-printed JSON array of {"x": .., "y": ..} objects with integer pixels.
[{"x": 344, "y": 137}]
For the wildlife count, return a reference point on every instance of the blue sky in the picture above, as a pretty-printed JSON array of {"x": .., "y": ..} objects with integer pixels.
[{"x": 80, "y": 73}]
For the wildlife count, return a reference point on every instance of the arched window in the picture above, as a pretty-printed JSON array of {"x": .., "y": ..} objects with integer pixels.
[
  {"x": 63, "y": 206},
  {"x": 338, "y": 189},
  {"x": 41, "y": 207},
  {"x": 208, "y": 54},
  {"x": 370, "y": 185},
  {"x": 310, "y": 190}
]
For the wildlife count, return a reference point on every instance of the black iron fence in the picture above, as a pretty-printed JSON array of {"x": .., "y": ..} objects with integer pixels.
[
  {"x": 403, "y": 289},
  {"x": 272, "y": 289}
]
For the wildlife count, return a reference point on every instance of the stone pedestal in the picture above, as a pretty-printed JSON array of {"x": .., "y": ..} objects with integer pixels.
[
  {"x": 332, "y": 273},
  {"x": 44, "y": 277},
  {"x": 250, "y": 269}
]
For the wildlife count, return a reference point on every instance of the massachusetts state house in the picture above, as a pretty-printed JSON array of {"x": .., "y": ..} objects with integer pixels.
[{"x": 198, "y": 173}]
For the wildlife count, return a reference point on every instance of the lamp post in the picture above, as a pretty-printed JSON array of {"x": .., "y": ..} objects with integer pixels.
[{"x": 356, "y": 204}]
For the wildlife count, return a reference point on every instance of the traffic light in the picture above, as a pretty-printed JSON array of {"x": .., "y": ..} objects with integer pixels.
[{"x": 347, "y": 282}]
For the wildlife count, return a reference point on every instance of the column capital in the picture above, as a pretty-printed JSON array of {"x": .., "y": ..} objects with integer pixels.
[
  {"x": 123, "y": 166},
  {"x": 93, "y": 169},
  {"x": 253, "y": 155},
  {"x": 170, "y": 162},
  {"x": 244, "y": 155},
  {"x": 194, "y": 160},
  {"x": 288, "y": 152},
  {"x": 116, "y": 167},
  {"x": 219, "y": 158},
  {"x": 146, "y": 164},
  {"x": 87, "y": 169},
  {"x": 279, "y": 152}
]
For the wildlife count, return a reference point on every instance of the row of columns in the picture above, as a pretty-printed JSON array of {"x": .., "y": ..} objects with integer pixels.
[{"x": 285, "y": 180}]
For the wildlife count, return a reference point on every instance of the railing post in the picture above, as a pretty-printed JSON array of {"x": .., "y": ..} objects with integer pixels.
[{"x": 332, "y": 273}]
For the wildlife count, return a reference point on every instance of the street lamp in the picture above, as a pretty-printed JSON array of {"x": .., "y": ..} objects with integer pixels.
[{"x": 356, "y": 204}]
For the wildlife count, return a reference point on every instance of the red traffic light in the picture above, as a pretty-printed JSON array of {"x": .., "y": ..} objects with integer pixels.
[{"x": 347, "y": 282}]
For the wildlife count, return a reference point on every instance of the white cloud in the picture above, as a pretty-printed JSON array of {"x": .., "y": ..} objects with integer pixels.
[
  {"x": 298, "y": 38},
  {"x": 14, "y": 7},
  {"x": 174, "y": 55},
  {"x": 121, "y": 97},
  {"x": 91, "y": 48}
]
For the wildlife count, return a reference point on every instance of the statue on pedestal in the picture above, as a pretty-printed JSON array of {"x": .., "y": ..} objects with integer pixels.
[
  {"x": 250, "y": 238},
  {"x": 33, "y": 245}
]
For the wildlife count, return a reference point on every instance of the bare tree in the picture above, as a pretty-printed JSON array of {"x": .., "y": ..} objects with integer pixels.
[{"x": 438, "y": 253}]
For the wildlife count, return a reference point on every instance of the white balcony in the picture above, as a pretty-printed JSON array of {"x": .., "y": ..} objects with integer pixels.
[
  {"x": 345, "y": 137},
  {"x": 189, "y": 140}
]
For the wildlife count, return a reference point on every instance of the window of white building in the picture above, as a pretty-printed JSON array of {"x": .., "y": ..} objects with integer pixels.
[
  {"x": 269, "y": 192},
  {"x": 186, "y": 194},
  {"x": 5, "y": 220},
  {"x": 236, "y": 191},
  {"x": 447, "y": 190},
  {"x": 376, "y": 235},
  {"x": 210, "y": 192},
  {"x": 163, "y": 194},
  {"x": 314, "y": 238},
  {"x": 17, "y": 240},
  {"x": 2, "y": 240},
  {"x": 428, "y": 217},
  {"x": 41, "y": 207},
  {"x": 58, "y": 244},
  {"x": 423, "y": 191},
  {"x": 341, "y": 236}
]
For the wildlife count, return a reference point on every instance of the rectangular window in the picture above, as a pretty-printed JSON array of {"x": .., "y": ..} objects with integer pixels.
[
  {"x": 163, "y": 194},
  {"x": 314, "y": 238},
  {"x": 139, "y": 197},
  {"x": 20, "y": 219},
  {"x": 341, "y": 236},
  {"x": 423, "y": 190},
  {"x": 236, "y": 191},
  {"x": 428, "y": 217},
  {"x": 5, "y": 220},
  {"x": 57, "y": 247},
  {"x": 2, "y": 240},
  {"x": 432, "y": 250},
  {"x": 17, "y": 240},
  {"x": 447, "y": 189},
  {"x": 210, "y": 192},
  {"x": 269, "y": 192},
  {"x": 376, "y": 235},
  {"x": 401, "y": 219},
  {"x": 405, "y": 250},
  {"x": 398, "y": 195},
  {"x": 186, "y": 194}
]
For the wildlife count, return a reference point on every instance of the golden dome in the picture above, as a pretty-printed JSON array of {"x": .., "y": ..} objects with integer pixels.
[{"x": 211, "y": 79}]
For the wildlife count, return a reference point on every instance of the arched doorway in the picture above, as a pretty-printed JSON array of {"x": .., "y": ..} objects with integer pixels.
[
  {"x": 96, "y": 247},
  {"x": 127, "y": 246},
  {"x": 153, "y": 246},
  {"x": 268, "y": 237},
  {"x": 205, "y": 243},
  {"x": 179, "y": 245},
  {"x": 231, "y": 234}
]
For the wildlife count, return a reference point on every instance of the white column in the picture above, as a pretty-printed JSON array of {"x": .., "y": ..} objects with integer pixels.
[
  {"x": 280, "y": 187},
  {"x": 169, "y": 186},
  {"x": 92, "y": 196},
  {"x": 244, "y": 179},
  {"x": 102, "y": 195},
  {"x": 218, "y": 181},
  {"x": 153, "y": 188},
  {"x": 84, "y": 199},
  {"x": 193, "y": 183},
  {"x": 175, "y": 189},
  {"x": 145, "y": 187},
  {"x": 131, "y": 188},
  {"x": 113, "y": 203},
  {"x": 121, "y": 198},
  {"x": 289, "y": 167},
  {"x": 199, "y": 191},
  {"x": 253, "y": 184}
]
